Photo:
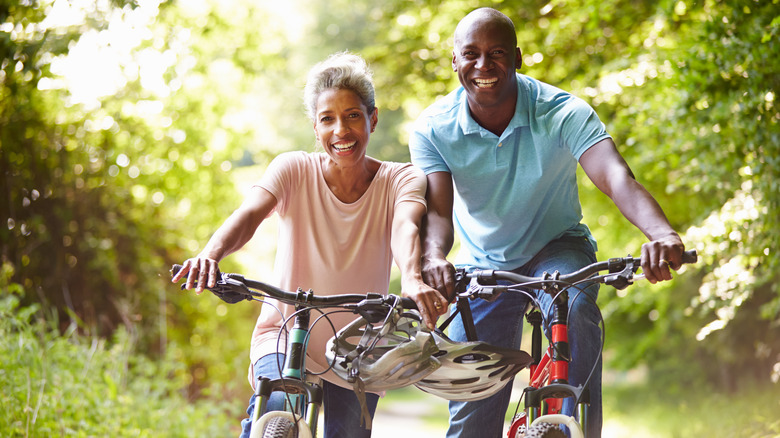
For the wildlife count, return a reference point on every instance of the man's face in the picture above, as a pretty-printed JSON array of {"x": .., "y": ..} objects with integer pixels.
[{"x": 485, "y": 59}]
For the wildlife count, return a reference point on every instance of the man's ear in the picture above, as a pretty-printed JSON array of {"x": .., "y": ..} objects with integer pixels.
[
  {"x": 454, "y": 62},
  {"x": 519, "y": 58}
]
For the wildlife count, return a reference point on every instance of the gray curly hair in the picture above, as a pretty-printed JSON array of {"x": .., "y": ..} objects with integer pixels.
[{"x": 340, "y": 71}]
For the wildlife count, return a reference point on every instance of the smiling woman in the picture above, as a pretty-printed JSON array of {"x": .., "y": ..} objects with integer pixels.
[
  {"x": 343, "y": 127},
  {"x": 344, "y": 217}
]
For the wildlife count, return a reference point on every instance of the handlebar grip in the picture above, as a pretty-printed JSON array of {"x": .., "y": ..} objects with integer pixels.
[
  {"x": 175, "y": 269},
  {"x": 408, "y": 303},
  {"x": 690, "y": 256}
]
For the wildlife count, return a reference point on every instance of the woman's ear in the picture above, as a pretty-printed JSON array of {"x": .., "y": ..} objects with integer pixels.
[{"x": 374, "y": 119}]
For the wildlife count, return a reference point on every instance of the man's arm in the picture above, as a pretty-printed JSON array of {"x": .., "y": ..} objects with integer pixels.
[
  {"x": 438, "y": 234},
  {"x": 231, "y": 236},
  {"x": 405, "y": 243},
  {"x": 610, "y": 173}
]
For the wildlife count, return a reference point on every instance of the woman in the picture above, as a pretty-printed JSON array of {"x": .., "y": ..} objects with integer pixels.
[{"x": 344, "y": 217}]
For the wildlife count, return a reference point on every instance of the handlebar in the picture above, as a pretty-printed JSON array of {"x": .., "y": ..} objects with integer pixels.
[
  {"x": 620, "y": 275},
  {"x": 233, "y": 288}
]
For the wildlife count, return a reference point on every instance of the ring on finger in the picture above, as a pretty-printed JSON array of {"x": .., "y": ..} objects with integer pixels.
[{"x": 437, "y": 305}]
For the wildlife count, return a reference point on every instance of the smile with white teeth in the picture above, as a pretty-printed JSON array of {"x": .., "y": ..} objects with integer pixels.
[
  {"x": 485, "y": 83},
  {"x": 343, "y": 147}
]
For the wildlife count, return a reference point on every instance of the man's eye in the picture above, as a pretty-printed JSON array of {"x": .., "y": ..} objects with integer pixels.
[
  {"x": 354, "y": 115},
  {"x": 325, "y": 119}
]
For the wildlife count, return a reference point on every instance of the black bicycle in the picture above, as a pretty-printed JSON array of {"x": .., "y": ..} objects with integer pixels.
[{"x": 303, "y": 399}]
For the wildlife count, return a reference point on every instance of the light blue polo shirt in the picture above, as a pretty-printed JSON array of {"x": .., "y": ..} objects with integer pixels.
[{"x": 517, "y": 192}]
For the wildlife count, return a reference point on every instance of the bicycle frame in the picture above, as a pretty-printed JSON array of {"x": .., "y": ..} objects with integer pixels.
[
  {"x": 548, "y": 381},
  {"x": 548, "y": 384},
  {"x": 549, "y": 373},
  {"x": 303, "y": 399}
]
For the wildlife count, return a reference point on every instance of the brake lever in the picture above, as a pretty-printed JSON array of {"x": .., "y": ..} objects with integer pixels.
[
  {"x": 487, "y": 292},
  {"x": 373, "y": 309},
  {"x": 624, "y": 278},
  {"x": 231, "y": 289}
]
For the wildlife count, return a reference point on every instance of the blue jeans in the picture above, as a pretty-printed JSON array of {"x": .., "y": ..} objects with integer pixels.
[
  {"x": 501, "y": 323},
  {"x": 340, "y": 405}
]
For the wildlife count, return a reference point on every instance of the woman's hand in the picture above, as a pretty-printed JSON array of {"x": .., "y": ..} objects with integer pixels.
[
  {"x": 430, "y": 302},
  {"x": 202, "y": 270}
]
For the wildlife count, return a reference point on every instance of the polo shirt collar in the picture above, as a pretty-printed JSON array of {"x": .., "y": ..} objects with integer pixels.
[{"x": 470, "y": 126}]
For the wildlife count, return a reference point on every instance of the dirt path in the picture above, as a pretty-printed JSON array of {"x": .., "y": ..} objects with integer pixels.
[{"x": 407, "y": 418}]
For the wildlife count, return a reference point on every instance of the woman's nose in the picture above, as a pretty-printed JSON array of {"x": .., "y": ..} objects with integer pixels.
[{"x": 341, "y": 126}]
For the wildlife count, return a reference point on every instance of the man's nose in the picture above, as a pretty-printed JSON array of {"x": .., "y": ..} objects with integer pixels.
[{"x": 484, "y": 62}]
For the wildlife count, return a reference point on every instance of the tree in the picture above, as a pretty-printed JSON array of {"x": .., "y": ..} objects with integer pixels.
[{"x": 687, "y": 89}]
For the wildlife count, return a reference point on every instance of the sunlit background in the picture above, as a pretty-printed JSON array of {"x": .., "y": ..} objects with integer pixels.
[{"x": 130, "y": 129}]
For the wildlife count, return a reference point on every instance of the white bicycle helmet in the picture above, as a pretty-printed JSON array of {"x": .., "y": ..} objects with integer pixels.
[
  {"x": 471, "y": 370},
  {"x": 392, "y": 355}
]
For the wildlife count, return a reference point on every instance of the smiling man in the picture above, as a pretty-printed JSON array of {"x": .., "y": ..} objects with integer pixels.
[{"x": 500, "y": 154}]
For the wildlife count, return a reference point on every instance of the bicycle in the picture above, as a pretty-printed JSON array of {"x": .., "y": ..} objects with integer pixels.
[
  {"x": 304, "y": 398},
  {"x": 548, "y": 383}
]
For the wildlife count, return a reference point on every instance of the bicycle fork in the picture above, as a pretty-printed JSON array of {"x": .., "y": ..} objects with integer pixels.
[{"x": 301, "y": 398}]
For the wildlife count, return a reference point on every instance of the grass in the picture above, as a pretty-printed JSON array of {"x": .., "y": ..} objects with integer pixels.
[
  {"x": 66, "y": 384},
  {"x": 648, "y": 411}
]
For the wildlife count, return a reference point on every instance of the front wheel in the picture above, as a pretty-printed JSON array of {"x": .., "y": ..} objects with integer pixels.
[
  {"x": 544, "y": 430},
  {"x": 279, "y": 427}
]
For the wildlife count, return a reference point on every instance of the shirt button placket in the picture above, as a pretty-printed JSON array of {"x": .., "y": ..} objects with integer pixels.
[{"x": 499, "y": 153}]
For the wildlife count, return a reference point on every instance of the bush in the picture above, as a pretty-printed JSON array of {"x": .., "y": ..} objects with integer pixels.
[{"x": 71, "y": 385}]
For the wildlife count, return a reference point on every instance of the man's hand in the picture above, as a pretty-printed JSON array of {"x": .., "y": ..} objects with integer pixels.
[
  {"x": 661, "y": 255},
  {"x": 440, "y": 275}
]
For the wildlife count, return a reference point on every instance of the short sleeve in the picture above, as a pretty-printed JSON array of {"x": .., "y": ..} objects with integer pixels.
[
  {"x": 581, "y": 127},
  {"x": 282, "y": 177},
  {"x": 409, "y": 184},
  {"x": 423, "y": 152}
]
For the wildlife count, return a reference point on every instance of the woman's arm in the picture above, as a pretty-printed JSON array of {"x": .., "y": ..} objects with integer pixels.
[
  {"x": 234, "y": 233},
  {"x": 609, "y": 172},
  {"x": 406, "y": 247}
]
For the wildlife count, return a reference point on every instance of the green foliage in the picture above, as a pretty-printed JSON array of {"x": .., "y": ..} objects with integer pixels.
[
  {"x": 710, "y": 114},
  {"x": 74, "y": 385},
  {"x": 96, "y": 187},
  {"x": 688, "y": 91},
  {"x": 104, "y": 186}
]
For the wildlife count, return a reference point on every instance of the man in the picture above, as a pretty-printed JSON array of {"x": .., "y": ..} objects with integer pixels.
[{"x": 501, "y": 153}]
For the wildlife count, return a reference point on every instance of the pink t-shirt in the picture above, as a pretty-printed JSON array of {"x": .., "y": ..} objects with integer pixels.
[{"x": 329, "y": 246}]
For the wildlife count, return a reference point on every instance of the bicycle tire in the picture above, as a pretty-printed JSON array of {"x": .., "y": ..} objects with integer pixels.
[
  {"x": 544, "y": 430},
  {"x": 280, "y": 427}
]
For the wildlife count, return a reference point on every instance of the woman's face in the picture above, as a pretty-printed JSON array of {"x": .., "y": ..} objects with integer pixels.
[{"x": 343, "y": 124}]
